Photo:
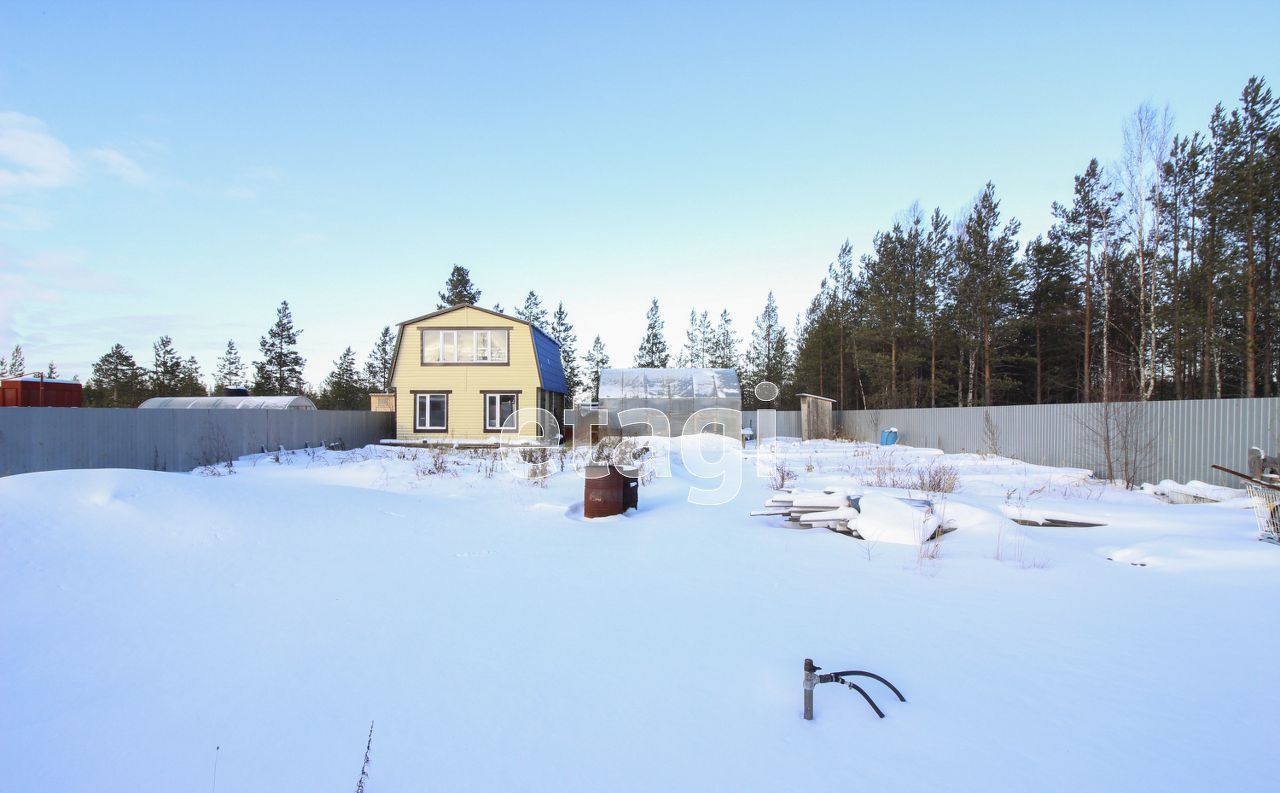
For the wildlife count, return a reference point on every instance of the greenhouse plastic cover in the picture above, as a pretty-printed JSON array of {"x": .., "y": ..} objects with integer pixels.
[
  {"x": 669, "y": 384},
  {"x": 231, "y": 403}
]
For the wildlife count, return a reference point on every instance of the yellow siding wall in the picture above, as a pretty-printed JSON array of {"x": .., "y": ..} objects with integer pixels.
[{"x": 466, "y": 403}]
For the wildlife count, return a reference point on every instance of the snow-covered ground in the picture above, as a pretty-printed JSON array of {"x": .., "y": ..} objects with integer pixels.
[{"x": 501, "y": 642}]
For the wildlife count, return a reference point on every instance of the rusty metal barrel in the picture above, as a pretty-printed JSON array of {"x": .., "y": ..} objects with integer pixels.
[{"x": 609, "y": 490}]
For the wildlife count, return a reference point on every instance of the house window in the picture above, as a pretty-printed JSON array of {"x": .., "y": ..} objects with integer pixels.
[
  {"x": 431, "y": 412},
  {"x": 490, "y": 346},
  {"x": 464, "y": 346},
  {"x": 497, "y": 408}
]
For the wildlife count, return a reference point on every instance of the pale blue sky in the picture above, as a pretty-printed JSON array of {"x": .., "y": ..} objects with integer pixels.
[{"x": 177, "y": 170}]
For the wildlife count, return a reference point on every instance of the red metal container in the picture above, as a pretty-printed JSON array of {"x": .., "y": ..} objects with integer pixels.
[
  {"x": 36, "y": 392},
  {"x": 609, "y": 491}
]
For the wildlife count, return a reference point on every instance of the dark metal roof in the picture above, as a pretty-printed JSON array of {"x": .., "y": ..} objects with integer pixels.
[{"x": 550, "y": 367}]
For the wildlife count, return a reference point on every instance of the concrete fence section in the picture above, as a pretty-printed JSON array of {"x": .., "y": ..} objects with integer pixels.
[
  {"x": 1147, "y": 441},
  {"x": 49, "y": 439}
]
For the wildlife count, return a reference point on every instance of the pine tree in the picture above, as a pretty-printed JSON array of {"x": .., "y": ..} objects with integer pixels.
[
  {"x": 166, "y": 370},
  {"x": 562, "y": 331},
  {"x": 769, "y": 358},
  {"x": 1087, "y": 224},
  {"x": 691, "y": 350},
  {"x": 698, "y": 340},
  {"x": 937, "y": 271},
  {"x": 533, "y": 311},
  {"x": 1053, "y": 314},
  {"x": 458, "y": 289},
  {"x": 596, "y": 360},
  {"x": 816, "y": 338},
  {"x": 343, "y": 389},
  {"x": 52, "y": 372},
  {"x": 847, "y": 321},
  {"x": 498, "y": 308},
  {"x": 653, "y": 351},
  {"x": 230, "y": 369},
  {"x": 280, "y": 370},
  {"x": 117, "y": 381},
  {"x": 377, "y": 369},
  {"x": 893, "y": 289},
  {"x": 1182, "y": 186},
  {"x": 17, "y": 362},
  {"x": 722, "y": 352},
  {"x": 1252, "y": 127},
  {"x": 989, "y": 278},
  {"x": 189, "y": 380}
]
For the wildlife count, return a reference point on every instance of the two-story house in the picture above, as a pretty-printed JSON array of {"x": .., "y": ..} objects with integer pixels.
[{"x": 461, "y": 371}]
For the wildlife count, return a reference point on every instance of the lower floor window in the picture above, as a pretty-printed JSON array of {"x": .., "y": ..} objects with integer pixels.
[
  {"x": 497, "y": 408},
  {"x": 432, "y": 412}
]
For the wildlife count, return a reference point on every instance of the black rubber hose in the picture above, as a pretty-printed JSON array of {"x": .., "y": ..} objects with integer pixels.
[
  {"x": 873, "y": 676},
  {"x": 867, "y": 697}
]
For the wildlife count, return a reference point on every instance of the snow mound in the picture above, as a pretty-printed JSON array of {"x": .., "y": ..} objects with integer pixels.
[{"x": 885, "y": 519}]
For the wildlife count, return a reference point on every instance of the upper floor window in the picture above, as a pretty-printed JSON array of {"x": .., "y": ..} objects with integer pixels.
[{"x": 457, "y": 345}]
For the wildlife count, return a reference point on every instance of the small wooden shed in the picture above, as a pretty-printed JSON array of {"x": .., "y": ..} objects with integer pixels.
[{"x": 815, "y": 417}]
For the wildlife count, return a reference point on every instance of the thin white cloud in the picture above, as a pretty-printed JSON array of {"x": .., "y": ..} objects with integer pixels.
[
  {"x": 240, "y": 193},
  {"x": 44, "y": 278},
  {"x": 30, "y": 157},
  {"x": 251, "y": 183},
  {"x": 14, "y": 217},
  {"x": 120, "y": 165}
]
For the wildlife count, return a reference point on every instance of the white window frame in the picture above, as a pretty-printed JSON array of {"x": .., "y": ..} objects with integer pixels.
[
  {"x": 487, "y": 346},
  {"x": 447, "y": 338},
  {"x": 452, "y": 335},
  {"x": 497, "y": 395},
  {"x": 425, "y": 415}
]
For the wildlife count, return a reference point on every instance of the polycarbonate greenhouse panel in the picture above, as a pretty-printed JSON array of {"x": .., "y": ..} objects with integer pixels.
[
  {"x": 688, "y": 383},
  {"x": 230, "y": 403},
  {"x": 676, "y": 393}
]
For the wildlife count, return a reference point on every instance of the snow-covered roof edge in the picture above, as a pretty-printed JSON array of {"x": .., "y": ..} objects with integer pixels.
[{"x": 41, "y": 380}]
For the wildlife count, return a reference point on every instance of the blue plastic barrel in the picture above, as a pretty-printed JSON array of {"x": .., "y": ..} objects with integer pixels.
[{"x": 889, "y": 437}]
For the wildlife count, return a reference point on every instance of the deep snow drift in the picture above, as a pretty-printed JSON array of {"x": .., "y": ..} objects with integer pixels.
[{"x": 502, "y": 642}]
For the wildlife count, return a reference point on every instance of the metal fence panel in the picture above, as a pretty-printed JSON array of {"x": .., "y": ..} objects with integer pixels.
[
  {"x": 49, "y": 439},
  {"x": 786, "y": 422},
  {"x": 1177, "y": 440}
]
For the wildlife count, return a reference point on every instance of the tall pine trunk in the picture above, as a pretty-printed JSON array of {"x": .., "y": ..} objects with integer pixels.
[
  {"x": 1088, "y": 314},
  {"x": 841, "y": 375},
  {"x": 893, "y": 371},
  {"x": 1177, "y": 297},
  {"x": 1039, "y": 358},
  {"x": 1250, "y": 317},
  {"x": 933, "y": 368},
  {"x": 986, "y": 363},
  {"x": 1106, "y": 336}
]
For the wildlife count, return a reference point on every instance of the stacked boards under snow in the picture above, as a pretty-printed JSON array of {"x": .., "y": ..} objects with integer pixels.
[{"x": 875, "y": 517}]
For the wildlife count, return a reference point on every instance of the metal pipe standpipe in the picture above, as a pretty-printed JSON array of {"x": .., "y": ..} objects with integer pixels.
[{"x": 812, "y": 679}]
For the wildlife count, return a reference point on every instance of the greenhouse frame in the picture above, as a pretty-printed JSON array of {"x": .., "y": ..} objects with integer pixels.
[{"x": 678, "y": 394}]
